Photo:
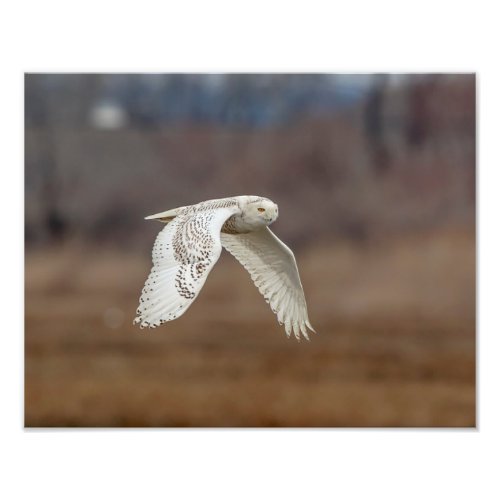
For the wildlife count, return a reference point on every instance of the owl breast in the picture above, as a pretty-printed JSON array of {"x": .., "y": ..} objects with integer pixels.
[
  {"x": 233, "y": 225},
  {"x": 229, "y": 227},
  {"x": 241, "y": 224}
]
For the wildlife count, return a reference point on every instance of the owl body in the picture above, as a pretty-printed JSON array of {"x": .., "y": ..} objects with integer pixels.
[{"x": 188, "y": 247}]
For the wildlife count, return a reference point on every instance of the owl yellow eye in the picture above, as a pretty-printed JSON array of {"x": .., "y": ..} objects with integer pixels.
[{"x": 261, "y": 209}]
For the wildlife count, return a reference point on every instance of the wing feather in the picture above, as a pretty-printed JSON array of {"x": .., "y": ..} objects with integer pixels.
[
  {"x": 273, "y": 269},
  {"x": 184, "y": 253}
]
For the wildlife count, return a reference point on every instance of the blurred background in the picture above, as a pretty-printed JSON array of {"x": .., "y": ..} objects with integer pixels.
[{"x": 375, "y": 179}]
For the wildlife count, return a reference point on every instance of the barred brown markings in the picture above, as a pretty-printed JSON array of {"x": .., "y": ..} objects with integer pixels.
[
  {"x": 229, "y": 226},
  {"x": 192, "y": 244}
]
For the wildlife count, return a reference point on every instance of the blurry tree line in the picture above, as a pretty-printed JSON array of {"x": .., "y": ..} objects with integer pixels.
[
  {"x": 350, "y": 156},
  {"x": 155, "y": 100}
]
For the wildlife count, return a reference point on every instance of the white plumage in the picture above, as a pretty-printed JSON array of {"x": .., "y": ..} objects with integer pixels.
[{"x": 188, "y": 247}]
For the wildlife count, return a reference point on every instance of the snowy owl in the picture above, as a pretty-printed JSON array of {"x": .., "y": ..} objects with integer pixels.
[{"x": 186, "y": 250}]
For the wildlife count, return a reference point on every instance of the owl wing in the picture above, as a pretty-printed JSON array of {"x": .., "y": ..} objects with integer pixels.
[
  {"x": 183, "y": 255},
  {"x": 273, "y": 269}
]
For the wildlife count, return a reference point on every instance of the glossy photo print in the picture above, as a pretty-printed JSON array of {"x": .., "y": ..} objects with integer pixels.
[{"x": 250, "y": 250}]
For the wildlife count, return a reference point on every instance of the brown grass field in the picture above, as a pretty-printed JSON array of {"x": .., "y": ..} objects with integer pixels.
[{"x": 395, "y": 344}]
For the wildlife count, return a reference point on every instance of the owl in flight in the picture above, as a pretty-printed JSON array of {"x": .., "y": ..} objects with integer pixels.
[{"x": 189, "y": 246}]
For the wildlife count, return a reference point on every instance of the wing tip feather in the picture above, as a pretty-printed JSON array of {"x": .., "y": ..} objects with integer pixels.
[{"x": 311, "y": 327}]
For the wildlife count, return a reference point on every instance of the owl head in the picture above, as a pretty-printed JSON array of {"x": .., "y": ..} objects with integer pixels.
[{"x": 260, "y": 211}]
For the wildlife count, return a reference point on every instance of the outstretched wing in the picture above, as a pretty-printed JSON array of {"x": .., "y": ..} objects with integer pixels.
[
  {"x": 273, "y": 269},
  {"x": 183, "y": 255}
]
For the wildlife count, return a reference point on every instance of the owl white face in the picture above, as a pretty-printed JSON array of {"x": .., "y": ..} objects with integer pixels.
[{"x": 261, "y": 213}]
